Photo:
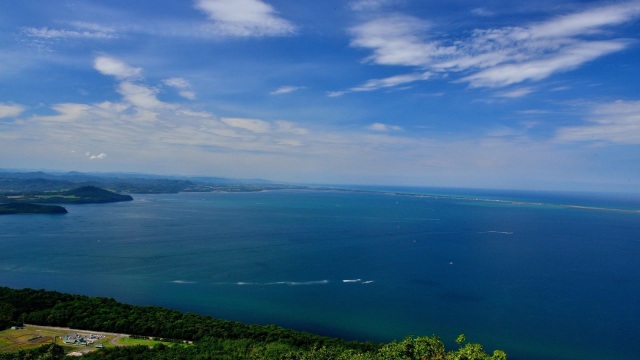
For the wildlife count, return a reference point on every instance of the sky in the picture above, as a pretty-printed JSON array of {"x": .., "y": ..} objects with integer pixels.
[{"x": 451, "y": 93}]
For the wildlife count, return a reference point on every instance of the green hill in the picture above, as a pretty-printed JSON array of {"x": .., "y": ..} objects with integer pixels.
[
  {"x": 81, "y": 195},
  {"x": 211, "y": 338},
  {"x": 26, "y": 208},
  {"x": 94, "y": 194}
]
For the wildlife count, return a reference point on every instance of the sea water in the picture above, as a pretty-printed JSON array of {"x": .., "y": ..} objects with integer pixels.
[{"x": 516, "y": 271}]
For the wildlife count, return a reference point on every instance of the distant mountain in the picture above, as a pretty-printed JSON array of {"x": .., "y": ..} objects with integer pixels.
[{"x": 12, "y": 182}]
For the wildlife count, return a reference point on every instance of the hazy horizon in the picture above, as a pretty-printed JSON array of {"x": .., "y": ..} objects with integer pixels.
[{"x": 356, "y": 186}]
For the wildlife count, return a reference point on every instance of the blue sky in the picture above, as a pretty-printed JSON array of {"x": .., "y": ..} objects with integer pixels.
[{"x": 492, "y": 94}]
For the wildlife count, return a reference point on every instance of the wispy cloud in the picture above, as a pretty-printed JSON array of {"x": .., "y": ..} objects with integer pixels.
[
  {"x": 252, "y": 125},
  {"x": 617, "y": 122},
  {"x": 107, "y": 65},
  {"x": 369, "y": 5},
  {"x": 10, "y": 110},
  {"x": 481, "y": 12},
  {"x": 140, "y": 122},
  {"x": 244, "y": 18},
  {"x": 182, "y": 85},
  {"x": 177, "y": 82},
  {"x": 47, "y": 33},
  {"x": 140, "y": 96},
  {"x": 286, "y": 90},
  {"x": 516, "y": 93},
  {"x": 568, "y": 58},
  {"x": 290, "y": 128},
  {"x": 502, "y": 56},
  {"x": 389, "y": 82},
  {"x": 398, "y": 40},
  {"x": 383, "y": 127}
]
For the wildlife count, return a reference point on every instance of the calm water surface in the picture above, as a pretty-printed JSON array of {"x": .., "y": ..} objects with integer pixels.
[{"x": 539, "y": 281}]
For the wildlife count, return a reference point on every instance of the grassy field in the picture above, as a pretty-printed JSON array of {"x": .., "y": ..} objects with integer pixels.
[
  {"x": 34, "y": 336},
  {"x": 131, "y": 342},
  {"x": 14, "y": 340}
]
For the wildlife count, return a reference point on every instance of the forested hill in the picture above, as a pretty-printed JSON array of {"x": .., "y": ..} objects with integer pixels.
[
  {"x": 93, "y": 194},
  {"x": 24, "y": 208},
  {"x": 213, "y": 338},
  {"x": 81, "y": 195}
]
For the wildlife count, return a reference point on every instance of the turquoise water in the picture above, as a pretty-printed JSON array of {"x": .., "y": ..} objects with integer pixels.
[{"x": 537, "y": 280}]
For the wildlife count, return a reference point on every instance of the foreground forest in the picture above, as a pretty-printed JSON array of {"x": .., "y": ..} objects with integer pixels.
[{"x": 212, "y": 338}]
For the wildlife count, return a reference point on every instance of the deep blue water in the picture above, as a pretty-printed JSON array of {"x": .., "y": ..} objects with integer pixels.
[{"x": 538, "y": 280}]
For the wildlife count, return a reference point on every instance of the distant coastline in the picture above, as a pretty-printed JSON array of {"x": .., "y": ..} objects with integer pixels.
[{"x": 80, "y": 188}]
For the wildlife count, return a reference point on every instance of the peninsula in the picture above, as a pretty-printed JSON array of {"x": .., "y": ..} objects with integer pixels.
[
  {"x": 26, "y": 208},
  {"x": 81, "y": 195}
]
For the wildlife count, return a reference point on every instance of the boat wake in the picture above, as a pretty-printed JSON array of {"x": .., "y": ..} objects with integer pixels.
[
  {"x": 183, "y": 282},
  {"x": 288, "y": 283},
  {"x": 357, "y": 281}
]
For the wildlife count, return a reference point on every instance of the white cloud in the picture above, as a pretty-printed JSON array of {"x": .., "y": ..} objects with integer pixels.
[
  {"x": 383, "y": 127},
  {"x": 68, "y": 112},
  {"x": 177, "y": 82},
  {"x": 569, "y": 58},
  {"x": 368, "y": 5},
  {"x": 289, "y": 127},
  {"x": 188, "y": 94},
  {"x": 286, "y": 90},
  {"x": 7, "y": 110},
  {"x": 397, "y": 40},
  {"x": 140, "y": 96},
  {"x": 183, "y": 85},
  {"x": 96, "y": 157},
  {"x": 502, "y": 56},
  {"x": 244, "y": 18},
  {"x": 617, "y": 122},
  {"x": 481, "y": 12},
  {"x": 191, "y": 113},
  {"x": 142, "y": 127},
  {"x": 335, "y": 93},
  {"x": 50, "y": 34},
  {"x": 253, "y": 125},
  {"x": 588, "y": 21},
  {"x": 391, "y": 81},
  {"x": 92, "y": 27},
  {"x": 516, "y": 93},
  {"x": 111, "y": 66}
]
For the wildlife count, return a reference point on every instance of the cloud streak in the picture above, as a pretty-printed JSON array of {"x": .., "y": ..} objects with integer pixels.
[
  {"x": 10, "y": 110},
  {"x": 497, "y": 57},
  {"x": 53, "y": 34},
  {"x": 286, "y": 90},
  {"x": 389, "y": 82},
  {"x": 614, "y": 123},
  {"x": 383, "y": 127},
  {"x": 244, "y": 18}
]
